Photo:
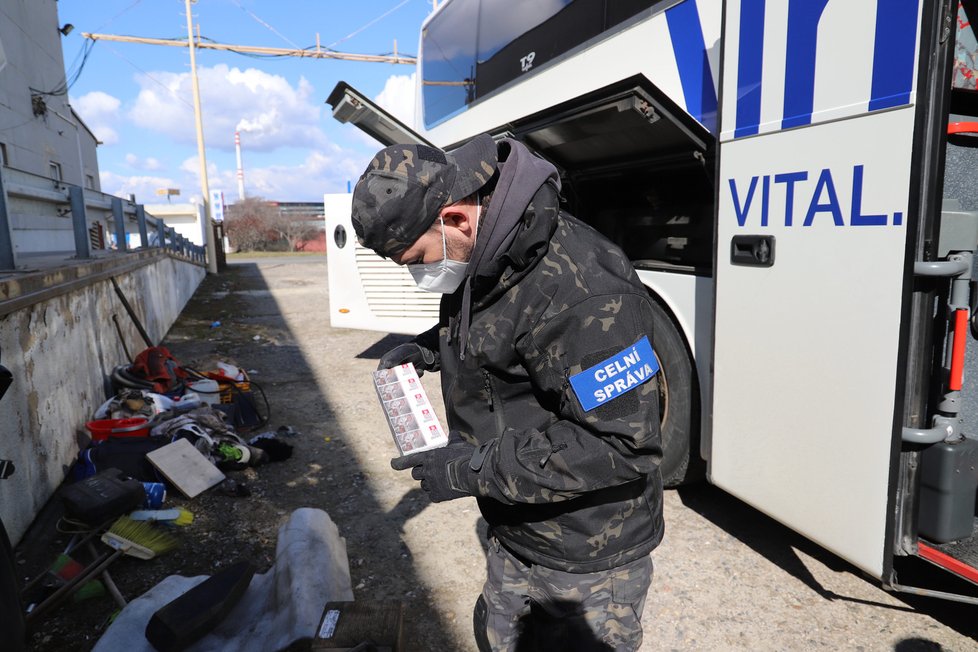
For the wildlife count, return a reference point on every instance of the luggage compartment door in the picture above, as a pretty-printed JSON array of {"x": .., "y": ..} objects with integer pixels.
[{"x": 813, "y": 265}]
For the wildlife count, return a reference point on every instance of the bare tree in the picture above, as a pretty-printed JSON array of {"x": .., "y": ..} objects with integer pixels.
[
  {"x": 249, "y": 223},
  {"x": 296, "y": 229}
]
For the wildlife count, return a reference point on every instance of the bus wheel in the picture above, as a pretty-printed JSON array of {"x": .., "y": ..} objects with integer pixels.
[{"x": 678, "y": 409}]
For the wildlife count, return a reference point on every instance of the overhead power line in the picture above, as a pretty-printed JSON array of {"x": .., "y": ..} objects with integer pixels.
[{"x": 315, "y": 52}]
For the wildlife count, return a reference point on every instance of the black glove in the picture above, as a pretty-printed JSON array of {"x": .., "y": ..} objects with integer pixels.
[
  {"x": 424, "y": 359},
  {"x": 443, "y": 472}
]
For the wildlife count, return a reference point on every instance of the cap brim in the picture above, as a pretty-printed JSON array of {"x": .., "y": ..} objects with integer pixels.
[{"x": 476, "y": 161}]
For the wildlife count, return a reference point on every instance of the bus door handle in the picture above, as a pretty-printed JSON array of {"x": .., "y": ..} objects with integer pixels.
[{"x": 752, "y": 250}]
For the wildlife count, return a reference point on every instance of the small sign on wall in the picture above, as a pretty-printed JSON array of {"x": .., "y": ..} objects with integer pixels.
[{"x": 217, "y": 205}]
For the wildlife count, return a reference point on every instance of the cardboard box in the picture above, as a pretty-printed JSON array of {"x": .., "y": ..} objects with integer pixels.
[
  {"x": 345, "y": 625},
  {"x": 409, "y": 413}
]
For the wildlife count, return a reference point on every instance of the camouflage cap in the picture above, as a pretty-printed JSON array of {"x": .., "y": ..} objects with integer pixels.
[{"x": 399, "y": 195}]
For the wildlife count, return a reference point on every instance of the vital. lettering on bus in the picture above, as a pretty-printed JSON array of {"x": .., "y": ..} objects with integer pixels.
[{"x": 808, "y": 196}]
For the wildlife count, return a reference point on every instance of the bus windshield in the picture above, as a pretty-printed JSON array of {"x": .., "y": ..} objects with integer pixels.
[{"x": 472, "y": 47}]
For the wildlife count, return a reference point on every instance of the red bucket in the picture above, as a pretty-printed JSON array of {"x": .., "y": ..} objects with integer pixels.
[{"x": 105, "y": 428}]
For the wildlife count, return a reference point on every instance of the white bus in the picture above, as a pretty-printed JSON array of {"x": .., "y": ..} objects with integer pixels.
[{"x": 796, "y": 182}]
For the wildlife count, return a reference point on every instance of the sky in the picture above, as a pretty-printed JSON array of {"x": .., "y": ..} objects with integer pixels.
[{"x": 137, "y": 99}]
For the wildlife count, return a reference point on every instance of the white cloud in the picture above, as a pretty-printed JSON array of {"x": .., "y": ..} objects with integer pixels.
[
  {"x": 398, "y": 97},
  {"x": 99, "y": 111},
  {"x": 323, "y": 170},
  {"x": 269, "y": 111},
  {"x": 326, "y": 169},
  {"x": 149, "y": 163},
  {"x": 144, "y": 187}
]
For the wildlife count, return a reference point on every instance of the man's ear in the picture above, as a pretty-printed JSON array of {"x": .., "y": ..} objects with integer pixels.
[{"x": 456, "y": 216}]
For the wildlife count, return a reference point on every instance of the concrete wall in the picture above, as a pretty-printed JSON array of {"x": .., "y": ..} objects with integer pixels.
[{"x": 61, "y": 344}]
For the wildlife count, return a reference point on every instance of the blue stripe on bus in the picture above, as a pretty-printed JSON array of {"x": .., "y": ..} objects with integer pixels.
[
  {"x": 893, "y": 55},
  {"x": 799, "y": 78},
  {"x": 749, "y": 64},
  {"x": 693, "y": 63}
]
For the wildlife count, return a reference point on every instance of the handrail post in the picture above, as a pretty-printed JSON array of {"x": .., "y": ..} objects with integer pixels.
[
  {"x": 161, "y": 233},
  {"x": 120, "y": 224},
  {"x": 80, "y": 222},
  {"x": 141, "y": 221}
]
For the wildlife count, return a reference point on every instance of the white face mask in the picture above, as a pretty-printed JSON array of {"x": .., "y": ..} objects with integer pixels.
[{"x": 444, "y": 276}]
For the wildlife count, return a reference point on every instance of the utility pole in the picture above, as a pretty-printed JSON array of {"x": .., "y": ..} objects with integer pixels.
[{"x": 205, "y": 193}]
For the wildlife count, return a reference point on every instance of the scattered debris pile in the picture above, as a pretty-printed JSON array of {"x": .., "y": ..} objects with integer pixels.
[{"x": 168, "y": 430}]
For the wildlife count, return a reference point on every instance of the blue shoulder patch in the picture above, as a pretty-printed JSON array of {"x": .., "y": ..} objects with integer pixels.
[{"x": 619, "y": 374}]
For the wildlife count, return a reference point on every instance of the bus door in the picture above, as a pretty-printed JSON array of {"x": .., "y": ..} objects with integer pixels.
[{"x": 816, "y": 224}]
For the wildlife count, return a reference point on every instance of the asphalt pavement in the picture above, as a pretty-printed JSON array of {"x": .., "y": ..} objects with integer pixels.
[{"x": 727, "y": 577}]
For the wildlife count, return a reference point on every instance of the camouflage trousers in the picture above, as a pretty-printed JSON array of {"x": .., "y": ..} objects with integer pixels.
[{"x": 529, "y": 607}]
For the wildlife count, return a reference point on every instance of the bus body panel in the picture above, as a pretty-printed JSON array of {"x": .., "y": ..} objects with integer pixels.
[
  {"x": 687, "y": 74},
  {"x": 803, "y": 389},
  {"x": 790, "y": 64},
  {"x": 690, "y": 300},
  {"x": 806, "y": 350}
]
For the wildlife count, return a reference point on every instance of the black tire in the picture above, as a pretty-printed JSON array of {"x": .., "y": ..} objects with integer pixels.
[{"x": 678, "y": 403}]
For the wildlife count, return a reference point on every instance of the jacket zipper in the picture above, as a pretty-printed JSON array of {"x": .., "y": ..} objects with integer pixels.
[
  {"x": 488, "y": 385},
  {"x": 491, "y": 403}
]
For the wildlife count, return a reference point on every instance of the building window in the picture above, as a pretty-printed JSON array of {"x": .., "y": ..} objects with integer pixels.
[
  {"x": 54, "y": 171},
  {"x": 90, "y": 182},
  {"x": 3, "y": 153}
]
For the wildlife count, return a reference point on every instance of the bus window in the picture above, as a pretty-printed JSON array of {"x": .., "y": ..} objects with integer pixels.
[
  {"x": 502, "y": 21},
  {"x": 448, "y": 60},
  {"x": 513, "y": 42},
  {"x": 472, "y": 47}
]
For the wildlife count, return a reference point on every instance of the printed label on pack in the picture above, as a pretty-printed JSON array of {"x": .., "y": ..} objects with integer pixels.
[{"x": 615, "y": 376}]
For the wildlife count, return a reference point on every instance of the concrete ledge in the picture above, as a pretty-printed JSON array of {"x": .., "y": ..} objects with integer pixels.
[{"x": 18, "y": 290}]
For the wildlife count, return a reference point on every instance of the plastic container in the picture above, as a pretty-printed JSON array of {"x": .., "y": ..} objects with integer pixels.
[
  {"x": 105, "y": 428},
  {"x": 155, "y": 494},
  {"x": 948, "y": 480},
  {"x": 208, "y": 389}
]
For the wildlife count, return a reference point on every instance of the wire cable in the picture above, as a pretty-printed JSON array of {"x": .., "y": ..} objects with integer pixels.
[
  {"x": 152, "y": 78},
  {"x": 371, "y": 23},
  {"x": 266, "y": 25}
]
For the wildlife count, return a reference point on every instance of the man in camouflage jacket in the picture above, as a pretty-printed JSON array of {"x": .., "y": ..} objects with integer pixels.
[{"x": 549, "y": 383}]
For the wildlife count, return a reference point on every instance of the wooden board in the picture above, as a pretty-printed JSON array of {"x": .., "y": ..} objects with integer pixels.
[{"x": 185, "y": 467}]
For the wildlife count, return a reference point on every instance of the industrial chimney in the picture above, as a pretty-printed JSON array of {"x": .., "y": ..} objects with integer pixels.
[{"x": 237, "y": 151}]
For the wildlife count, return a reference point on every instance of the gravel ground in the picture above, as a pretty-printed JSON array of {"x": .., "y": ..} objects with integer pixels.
[{"x": 726, "y": 577}]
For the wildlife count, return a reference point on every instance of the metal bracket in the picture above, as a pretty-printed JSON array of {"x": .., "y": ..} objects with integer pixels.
[
  {"x": 944, "y": 429},
  {"x": 944, "y": 268},
  {"x": 931, "y": 594}
]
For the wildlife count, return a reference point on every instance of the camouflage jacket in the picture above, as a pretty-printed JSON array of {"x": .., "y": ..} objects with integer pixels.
[{"x": 568, "y": 488}]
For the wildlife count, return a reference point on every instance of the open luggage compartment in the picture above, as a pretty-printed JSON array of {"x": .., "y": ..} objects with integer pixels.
[{"x": 634, "y": 166}]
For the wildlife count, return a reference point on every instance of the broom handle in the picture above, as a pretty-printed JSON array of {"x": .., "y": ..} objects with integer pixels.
[
  {"x": 73, "y": 545},
  {"x": 132, "y": 313},
  {"x": 110, "y": 585},
  {"x": 62, "y": 593}
]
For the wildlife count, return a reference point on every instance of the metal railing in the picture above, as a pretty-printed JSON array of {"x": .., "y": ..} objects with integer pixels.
[{"x": 42, "y": 216}]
